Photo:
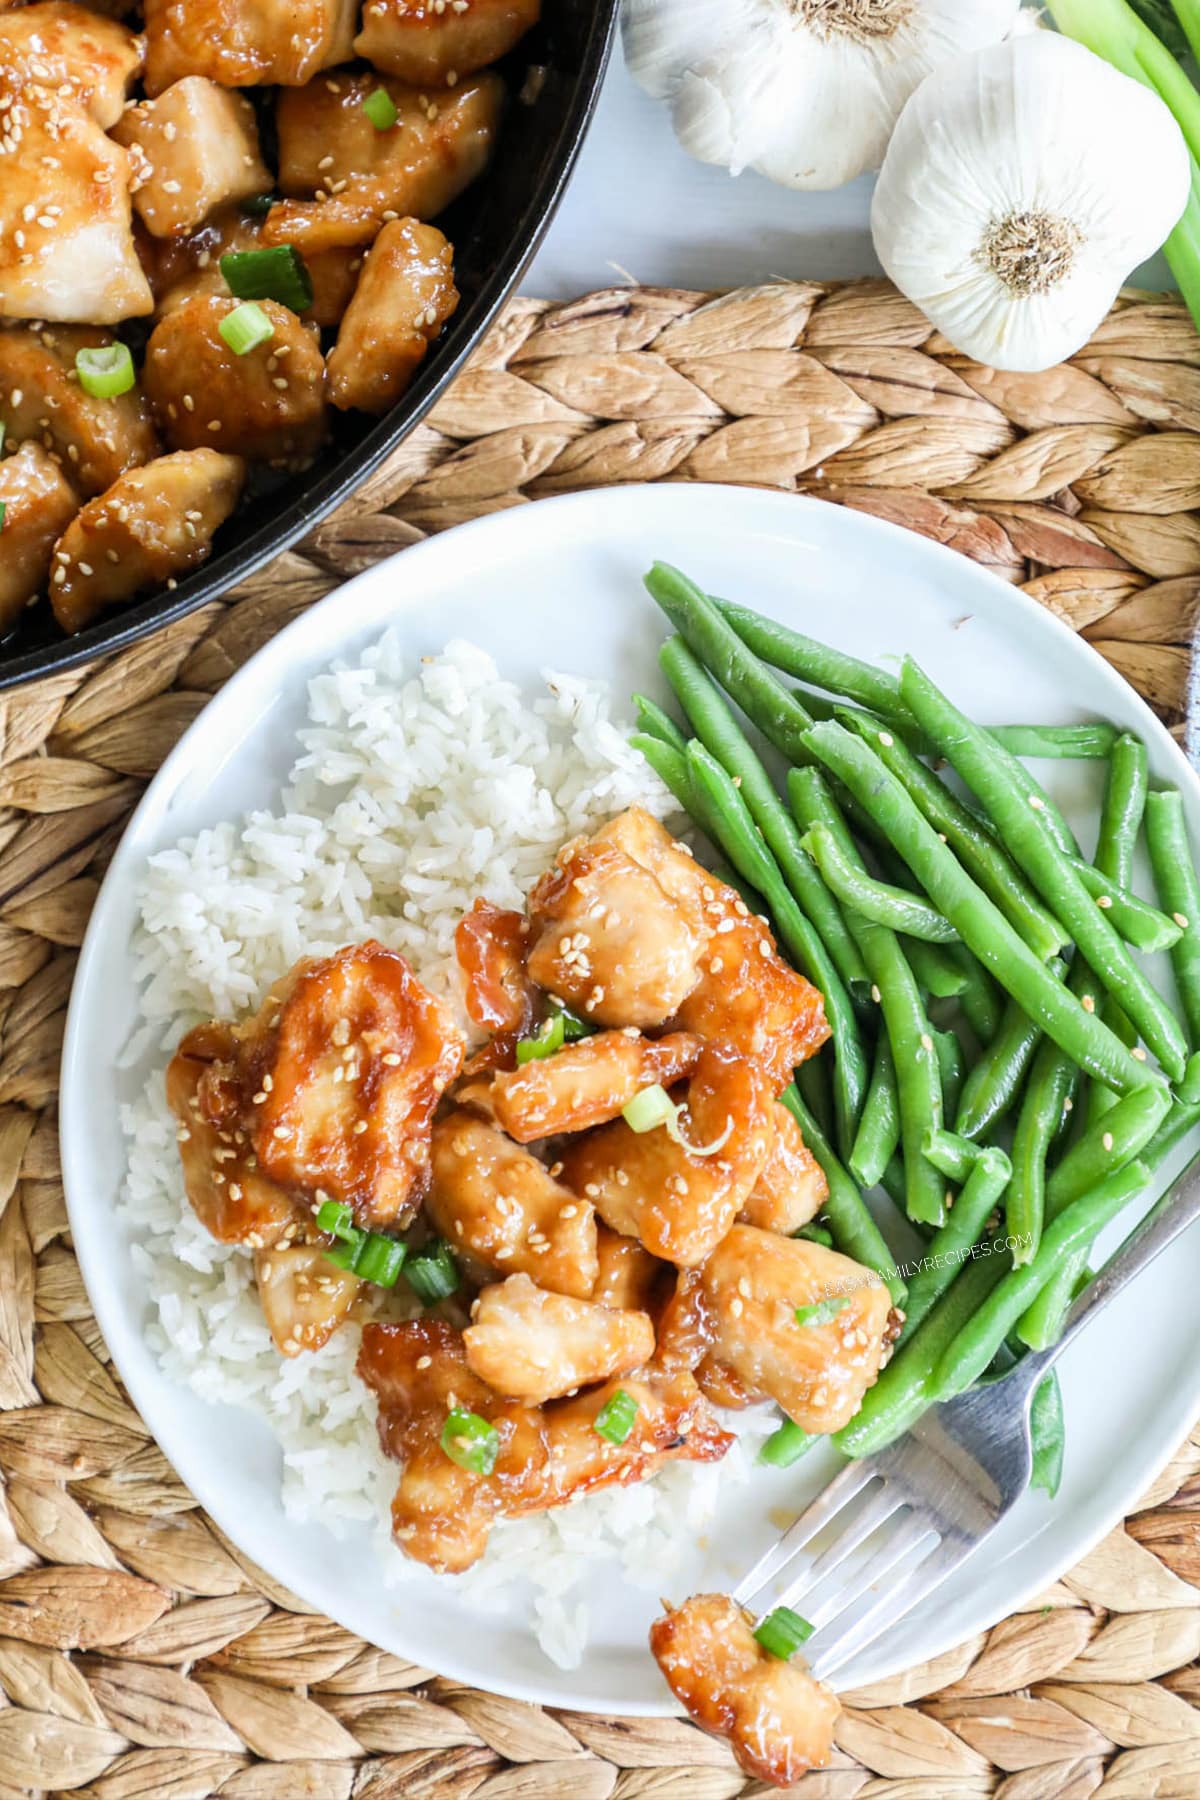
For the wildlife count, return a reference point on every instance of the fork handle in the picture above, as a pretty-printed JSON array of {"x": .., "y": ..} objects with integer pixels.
[{"x": 1167, "y": 1220}]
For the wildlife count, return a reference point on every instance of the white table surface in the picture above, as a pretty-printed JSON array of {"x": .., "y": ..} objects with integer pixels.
[{"x": 639, "y": 209}]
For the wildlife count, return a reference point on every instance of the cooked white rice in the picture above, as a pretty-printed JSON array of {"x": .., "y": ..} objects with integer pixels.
[{"x": 412, "y": 793}]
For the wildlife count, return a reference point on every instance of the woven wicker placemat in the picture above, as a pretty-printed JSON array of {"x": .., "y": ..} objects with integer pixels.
[{"x": 142, "y": 1657}]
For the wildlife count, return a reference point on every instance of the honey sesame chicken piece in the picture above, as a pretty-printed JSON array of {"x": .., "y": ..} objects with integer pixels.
[
  {"x": 531, "y": 1345},
  {"x": 680, "y": 1199},
  {"x": 63, "y": 46},
  {"x": 489, "y": 943},
  {"x": 226, "y": 1190},
  {"x": 777, "y": 1718},
  {"x": 334, "y": 275},
  {"x": 179, "y": 267},
  {"x": 345, "y": 180},
  {"x": 269, "y": 404},
  {"x": 817, "y": 1372},
  {"x": 246, "y": 43},
  {"x": 153, "y": 524},
  {"x": 66, "y": 233},
  {"x": 192, "y": 150},
  {"x": 304, "y": 1296},
  {"x": 404, "y": 296},
  {"x": 41, "y": 399},
  {"x": 547, "y": 1455},
  {"x": 587, "y": 1083},
  {"x": 627, "y": 1276},
  {"x": 38, "y": 505},
  {"x": 493, "y": 1199},
  {"x": 792, "y": 1189},
  {"x": 432, "y": 43}
]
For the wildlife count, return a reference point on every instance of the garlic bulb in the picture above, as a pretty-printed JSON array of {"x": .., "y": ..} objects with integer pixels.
[
  {"x": 804, "y": 91},
  {"x": 1022, "y": 185}
]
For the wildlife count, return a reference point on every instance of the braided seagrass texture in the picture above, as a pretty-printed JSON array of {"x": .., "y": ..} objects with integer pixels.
[{"x": 142, "y": 1657}]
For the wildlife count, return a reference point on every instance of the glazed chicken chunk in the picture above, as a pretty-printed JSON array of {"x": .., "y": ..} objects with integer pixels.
[
  {"x": 348, "y": 179},
  {"x": 153, "y": 524},
  {"x": 192, "y": 150},
  {"x": 681, "y": 1197},
  {"x": 225, "y": 1188},
  {"x": 791, "y": 1189},
  {"x": 531, "y": 1345},
  {"x": 817, "y": 1366},
  {"x": 38, "y": 504},
  {"x": 304, "y": 1296},
  {"x": 432, "y": 45},
  {"x": 66, "y": 232},
  {"x": 269, "y": 403},
  {"x": 778, "y": 1720},
  {"x": 40, "y": 398},
  {"x": 404, "y": 296},
  {"x": 588, "y": 1083},
  {"x": 489, "y": 942},
  {"x": 75, "y": 53},
  {"x": 492, "y": 1198},
  {"x": 626, "y": 1274},
  {"x": 245, "y": 43}
]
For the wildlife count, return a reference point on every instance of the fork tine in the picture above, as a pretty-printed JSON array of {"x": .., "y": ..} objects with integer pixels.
[
  {"x": 925, "y": 1575},
  {"x": 845, "y": 1594},
  {"x": 880, "y": 1507},
  {"x": 840, "y": 1491}
]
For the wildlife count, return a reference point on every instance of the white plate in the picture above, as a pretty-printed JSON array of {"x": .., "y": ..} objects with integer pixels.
[{"x": 559, "y": 584}]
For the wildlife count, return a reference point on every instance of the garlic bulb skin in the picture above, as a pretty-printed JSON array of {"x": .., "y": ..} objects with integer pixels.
[
  {"x": 1022, "y": 185},
  {"x": 804, "y": 91}
]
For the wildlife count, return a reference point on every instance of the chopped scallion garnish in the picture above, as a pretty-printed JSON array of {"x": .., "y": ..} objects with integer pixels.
[
  {"x": 105, "y": 372},
  {"x": 823, "y": 1312},
  {"x": 650, "y": 1109},
  {"x": 470, "y": 1441},
  {"x": 346, "y": 1254},
  {"x": 546, "y": 1041},
  {"x": 3, "y": 510},
  {"x": 380, "y": 108},
  {"x": 336, "y": 1216},
  {"x": 245, "y": 328},
  {"x": 381, "y": 1260},
  {"x": 259, "y": 205},
  {"x": 786, "y": 1446},
  {"x": 782, "y": 1632},
  {"x": 615, "y": 1419},
  {"x": 278, "y": 273},
  {"x": 432, "y": 1272}
]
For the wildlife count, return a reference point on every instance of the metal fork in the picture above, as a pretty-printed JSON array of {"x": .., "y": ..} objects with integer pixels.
[{"x": 937, "y": 1494}]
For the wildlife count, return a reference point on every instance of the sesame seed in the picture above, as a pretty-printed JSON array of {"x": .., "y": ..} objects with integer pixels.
[
  {"x": 1088, "y": 1004},
  {"x": 1181, "y": 919},
  {"x": 1107, "y": 1140}
]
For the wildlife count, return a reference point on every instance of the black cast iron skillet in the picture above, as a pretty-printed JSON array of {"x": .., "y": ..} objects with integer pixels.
[{"x": 495, "y": 228}]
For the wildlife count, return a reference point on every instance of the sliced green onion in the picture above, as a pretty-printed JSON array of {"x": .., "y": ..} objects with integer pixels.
[
  {"x": 259, "y": 205},
  {"x": 380, "y": 108},
  {"x": 106, "y": 372},
  {"x": 245, "y": 328},
  {"x": 337, "y": 1216},
  {"x": 782, "y": 1632},
  {"x": 346, "y": 1254},
  {"x": 3, "y": 510},
  {"x": 824, "y": 1312},
  {"x": 432, "y": 1272},
  {"x": 279, "y": 273},
  {"x": 549, "y": 1038},
  {"x": 650, "y": 1109},
  {"x": 470, "y": 1441},
  {"x": 615, "y": 1419},
  {"x": 381, "y": 1260},
  {"x": 786, "y": 1446},
  {"x": 574, "y": 1027}
]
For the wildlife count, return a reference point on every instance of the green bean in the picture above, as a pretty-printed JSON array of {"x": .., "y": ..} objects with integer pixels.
[
  {"x": 1189, "y": 1088},
  {"x": 815, "y": 1234},
  {"x": 965, "y": 1360},
  {"x": 894, "y": 987},
  {"x": 953, "y": 1069},
  {"x": 854, "y": 1230},
  {"x": 939, "y": 972},
  {"x": 1121, "y": 815},
  {"x": 953, "y": 1244},
  {"x": 1094, "y": 740},
  {"x": 952, "y": 1156},
  {"x": 874, "y": 900},
  {"x": 981, "y": 1000},
  {"x": 764, "y": 700},
  {"x": 719, "y": 732},
  {"x": 654, "y": 722},
  {"x": 904, "y": 1389},
  {"x": 1179, "y": 894},
  {"x": 879, "y": 1127},
  {"x": 671, "y": 767},
  {"x": 993, "y": 1084},
  {"x": 786, "y": 1446},
  {"x": 980, "y": 924},
  {"x": 973, "y": 844},
  {"x": 894, "y": 1185},
  {"x": 1019, "y": 821},
  {"x": 817, "y": 663},
  {"x": 1048, "y": 1431},
  {"x": 1182, "y": 1119},
  {"x": 812, "y": 1080},
  {"x": 1141, "y": 925},
  {"x": 1046, "y": 1092},
  {"x": 1038, "y": 800}
]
